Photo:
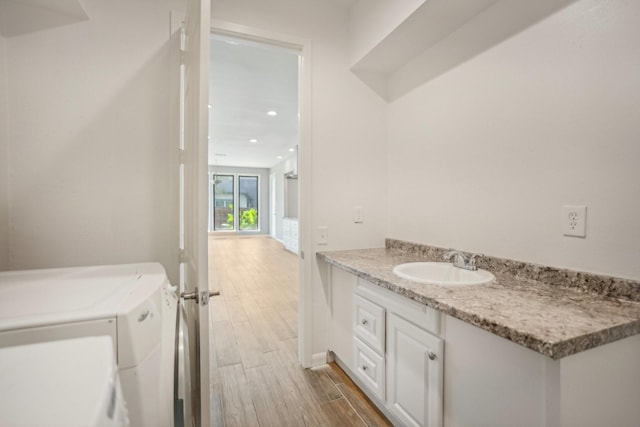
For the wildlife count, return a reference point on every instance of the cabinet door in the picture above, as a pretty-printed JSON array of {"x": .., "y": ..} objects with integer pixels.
[{"x": 415, "y": 374}]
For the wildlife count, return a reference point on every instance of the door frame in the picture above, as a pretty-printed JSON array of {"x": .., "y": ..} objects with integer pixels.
[{"x": 305, "y": 304}]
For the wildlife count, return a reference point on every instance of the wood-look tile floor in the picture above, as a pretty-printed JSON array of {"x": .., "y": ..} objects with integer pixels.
[{"x": 255, "y": 374}]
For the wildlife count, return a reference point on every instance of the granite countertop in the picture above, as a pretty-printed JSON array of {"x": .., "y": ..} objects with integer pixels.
[{"x": 556, "y": 316}]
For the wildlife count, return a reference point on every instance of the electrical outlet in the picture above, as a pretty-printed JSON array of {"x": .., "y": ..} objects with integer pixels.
[
  {"x": 323, "y": 235},
  {"x": 574, "y": 221}
]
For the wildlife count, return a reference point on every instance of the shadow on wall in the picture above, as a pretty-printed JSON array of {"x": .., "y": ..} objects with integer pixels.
[
  {"x": 110, "y": 194},
  {"x": 500, "y": 21},
  {"x": 22, "y": 17}
]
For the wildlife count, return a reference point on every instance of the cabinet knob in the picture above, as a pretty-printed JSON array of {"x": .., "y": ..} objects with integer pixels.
[
  {"x": 364, "y": 321},
  {"x": 364, "y": 367},
  {"x": 431, "y": 355}
]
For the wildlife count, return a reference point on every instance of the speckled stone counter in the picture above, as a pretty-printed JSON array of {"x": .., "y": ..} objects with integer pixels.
[{"x": 552, "y": 311}]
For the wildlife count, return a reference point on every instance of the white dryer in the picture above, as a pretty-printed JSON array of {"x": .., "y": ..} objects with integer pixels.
[
  {"x": 134, "y": 304},
  {"x": 68, "y": 383}
]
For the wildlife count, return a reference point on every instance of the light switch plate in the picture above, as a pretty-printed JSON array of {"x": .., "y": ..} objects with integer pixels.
[
  {"x": 323, "y": 235},
  {"x": 358, "y": 215},
  {"x": 574, "y": 221}
]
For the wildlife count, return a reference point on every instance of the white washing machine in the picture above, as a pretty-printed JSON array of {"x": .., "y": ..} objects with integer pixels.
[
  {"x": 134, "y": 304},
  {"x": 68, "y": 383}
]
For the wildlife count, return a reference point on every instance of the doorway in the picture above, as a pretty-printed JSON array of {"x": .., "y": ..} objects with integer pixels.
[{"x": 257, "y": 126}]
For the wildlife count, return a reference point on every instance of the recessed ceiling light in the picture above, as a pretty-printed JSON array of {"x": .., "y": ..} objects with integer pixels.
[
  {"x": 292, "y": 149},
  {"x": 221, "y": 155},
  {"x": 209, "y": 105},
  {"x": 278, "y": 157},
  {"x": 271, "y": 113},
  {"x": 253, "y": 140}
]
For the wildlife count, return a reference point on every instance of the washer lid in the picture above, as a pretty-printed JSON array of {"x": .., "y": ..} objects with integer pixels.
[
  {"x": 50, "y": 296},
  {"x": 58, "y": 383}
]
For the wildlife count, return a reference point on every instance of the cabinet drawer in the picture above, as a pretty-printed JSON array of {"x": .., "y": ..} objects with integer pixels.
[
  {"x": 369, "y": 368},
  {"x": 425, "y": 317},
  {"x": 368, "y": 322}
]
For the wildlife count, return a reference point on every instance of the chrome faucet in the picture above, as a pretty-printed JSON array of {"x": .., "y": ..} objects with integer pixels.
[
  {"x": 460, "y": 260},
  {"x": 472, "y": 261}
]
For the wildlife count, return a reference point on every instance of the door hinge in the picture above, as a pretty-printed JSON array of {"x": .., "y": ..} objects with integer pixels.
[
  {"x": 181, "y": 156},
  {"x": 182, "y": 256},
  {"x": 302, "y": 254},
  {"x": 183, "y": 42}
]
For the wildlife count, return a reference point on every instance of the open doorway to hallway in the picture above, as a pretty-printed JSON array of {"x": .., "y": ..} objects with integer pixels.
[{"x": 254, "y": 134}]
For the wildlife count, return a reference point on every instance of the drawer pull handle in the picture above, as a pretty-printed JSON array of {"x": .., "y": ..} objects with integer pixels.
[
  {"x": 431, "y": 355},
  {"x": 364, "y": 322}
]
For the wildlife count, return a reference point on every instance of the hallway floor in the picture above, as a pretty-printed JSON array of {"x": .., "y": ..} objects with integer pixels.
[{"x": 255, "y": 372}]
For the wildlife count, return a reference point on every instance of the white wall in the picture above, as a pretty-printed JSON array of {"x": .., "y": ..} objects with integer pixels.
[
  {"x": 347, "y": 132},
  {"x": 4, "y": 161},
  {"x": 89, "y": 122},
  {"x": 483, "y": 157}
]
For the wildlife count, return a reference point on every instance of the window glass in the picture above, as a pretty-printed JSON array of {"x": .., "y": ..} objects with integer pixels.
[
  {"x": 223, "y": 202},
  {"x": 248, "y": 202}
]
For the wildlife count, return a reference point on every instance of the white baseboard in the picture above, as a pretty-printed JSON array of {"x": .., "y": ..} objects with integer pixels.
[{"x": 318, "y": 359}]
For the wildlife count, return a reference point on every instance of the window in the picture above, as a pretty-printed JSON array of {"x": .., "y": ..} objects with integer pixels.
[
  {"x": 223, "y": 201},
  {"x": 248, "y": 202},
  {"x": 234, "y": 203}
]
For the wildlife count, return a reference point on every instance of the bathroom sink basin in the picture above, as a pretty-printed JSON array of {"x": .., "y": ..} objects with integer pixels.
[{"x": 441, "y": 273}]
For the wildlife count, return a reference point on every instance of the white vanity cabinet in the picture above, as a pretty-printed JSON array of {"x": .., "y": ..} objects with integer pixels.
[
  {"x": 390, "y": 347},
  {"x": 393, "y": 348}
]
